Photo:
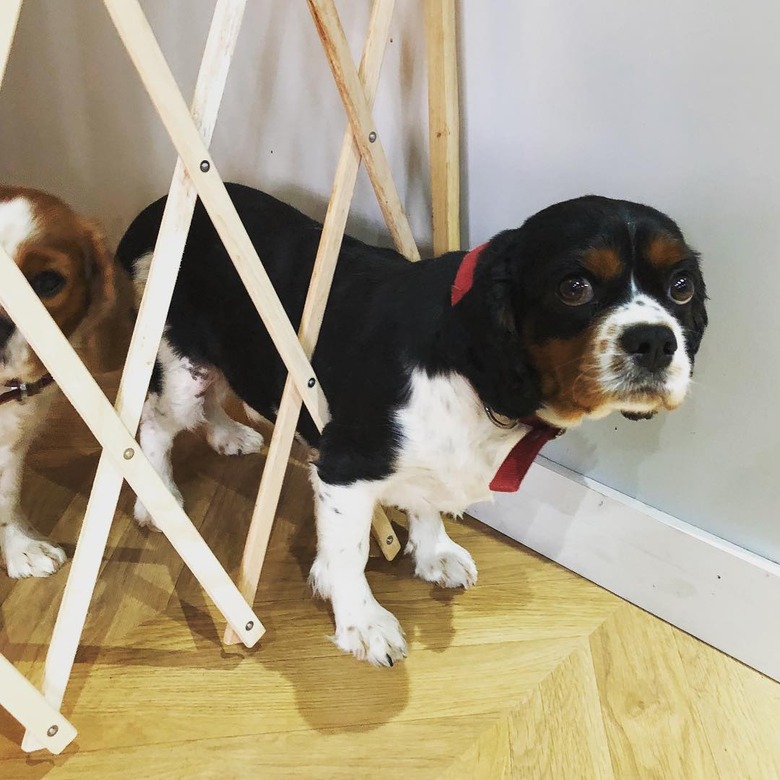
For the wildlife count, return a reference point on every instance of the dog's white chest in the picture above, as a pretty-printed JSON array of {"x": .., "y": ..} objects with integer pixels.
[
  {"x": 450, "y": 450},
  {"x": 19, "y": 421}
]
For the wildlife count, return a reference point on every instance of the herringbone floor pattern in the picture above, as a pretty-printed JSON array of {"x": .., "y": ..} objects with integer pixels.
[{"x": 534, "y": 673}]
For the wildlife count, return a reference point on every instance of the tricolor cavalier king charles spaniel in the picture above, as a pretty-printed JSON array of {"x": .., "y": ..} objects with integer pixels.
[
  {"x": 67, "y": 264},
  {"x": 433, "y": 370}
]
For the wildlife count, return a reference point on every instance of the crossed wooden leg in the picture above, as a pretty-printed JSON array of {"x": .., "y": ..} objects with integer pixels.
[
  {"x": 314, "y": 309},
  {"x": 196, "y": 174},
  {"x": 138, "y": 38},
  {"x": 26, "y": 703},
  {"x": 360, "y": 140},
  {"x": 141, "y": 356},
  {"x": 17, "y": 694},
  {"x": 56, "y": 353}
]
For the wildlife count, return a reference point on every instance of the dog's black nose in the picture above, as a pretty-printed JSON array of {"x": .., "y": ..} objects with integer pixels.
[
  {"x": 652, "y": 346},
  {"x": 7, "y": 329}
]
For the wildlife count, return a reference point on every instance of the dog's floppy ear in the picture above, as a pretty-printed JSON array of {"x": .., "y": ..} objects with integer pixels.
[
  {"x": 501, "y": 369},
  {"x": 108, "y": 323}
]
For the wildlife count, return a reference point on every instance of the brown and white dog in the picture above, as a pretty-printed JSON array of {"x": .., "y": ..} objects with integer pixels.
[{"x": 67, "y": 264}]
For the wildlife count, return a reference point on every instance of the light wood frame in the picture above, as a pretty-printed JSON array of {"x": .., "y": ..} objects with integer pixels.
[
  {"x": 443, "y": 123},
  {"x": 28, "y": 705},
  {"x": 114, "y": 428},
  {"x": 361, "y": 140}
]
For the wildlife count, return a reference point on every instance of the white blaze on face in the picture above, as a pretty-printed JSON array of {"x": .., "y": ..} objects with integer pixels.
[
  {"x": 616, "y": 367},
  {"x": 17, "y": 225}
]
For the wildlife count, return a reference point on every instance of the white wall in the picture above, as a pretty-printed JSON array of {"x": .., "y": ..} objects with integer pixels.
[
  {"x": 674, "y": 104},
  {"x": 74, "y": 117}
]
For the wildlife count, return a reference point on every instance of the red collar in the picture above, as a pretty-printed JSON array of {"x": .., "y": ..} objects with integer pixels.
[
  {"x": 16, "y": 390},
  {"x": 511, "y": 472},
  {"x": 515, "y": 466},
  {"x": 465, "y": 276}
]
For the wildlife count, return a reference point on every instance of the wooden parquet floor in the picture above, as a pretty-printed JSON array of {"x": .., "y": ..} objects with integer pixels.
[{"x": 535, "y": 673}]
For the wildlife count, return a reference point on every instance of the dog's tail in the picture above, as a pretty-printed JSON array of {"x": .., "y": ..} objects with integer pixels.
[{"x": 140, "y": 272}]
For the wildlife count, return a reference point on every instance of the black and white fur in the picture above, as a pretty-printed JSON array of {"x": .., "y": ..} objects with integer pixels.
[{"x": 408, "y": 377}]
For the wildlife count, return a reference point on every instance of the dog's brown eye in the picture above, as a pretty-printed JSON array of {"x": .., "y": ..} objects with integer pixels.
[
  {"x": 575, "y": 291},
  {"x": 47, "y": 283},
  {"x": 681, "y": 288}
]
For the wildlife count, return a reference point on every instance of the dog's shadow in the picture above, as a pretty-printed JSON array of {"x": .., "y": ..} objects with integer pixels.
[{"x": 334, "y": 692}]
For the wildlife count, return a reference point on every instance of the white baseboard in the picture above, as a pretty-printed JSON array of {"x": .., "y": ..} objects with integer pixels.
[{"x": 714, "y": 590}]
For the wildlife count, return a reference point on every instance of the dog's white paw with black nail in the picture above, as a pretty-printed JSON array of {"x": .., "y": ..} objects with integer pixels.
[{"x": 375, "y": 635}]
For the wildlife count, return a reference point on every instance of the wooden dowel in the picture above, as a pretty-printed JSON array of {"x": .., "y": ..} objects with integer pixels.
[
  {"x": 152, "y": 314},
  {"x": 27, "y": 705},
  {"x": 313, "y": 312},
  {"x": 328, "y": 24},
  {"x": 144, "y": 51},
  {"x": 443, "y": 123}
]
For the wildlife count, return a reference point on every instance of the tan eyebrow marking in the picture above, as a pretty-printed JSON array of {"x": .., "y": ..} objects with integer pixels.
[
  {"x": 665, "y": 251},
  {"x": 605, "y": 263}
]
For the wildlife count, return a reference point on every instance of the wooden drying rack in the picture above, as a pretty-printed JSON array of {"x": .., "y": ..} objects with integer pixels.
[{"x": 196, "y": 175}]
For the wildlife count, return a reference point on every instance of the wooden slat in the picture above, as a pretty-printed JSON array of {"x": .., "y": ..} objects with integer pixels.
[
  {"x": 56, "y": 353},
  {"x": 17, "y": 695},
  {"x": 9, "y": 18},
  {"x": 331, "y": 33},
  {"x": 311, "y": 320},
  {"x": 141, "y": 45},
  {"x": 152, "y": 314},
  {"x": 22, "y": 699},
  {"x": 443, "y": 123}
]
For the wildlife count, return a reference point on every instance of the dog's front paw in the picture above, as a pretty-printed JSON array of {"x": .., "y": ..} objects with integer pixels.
[
  {"x": 448, "y": 565},
  {"x": 374, "y": 635},
  {"x": 235, "y": 439},
  {"x": 28, "y": 557},
  {"x": 142, "y": 516}
]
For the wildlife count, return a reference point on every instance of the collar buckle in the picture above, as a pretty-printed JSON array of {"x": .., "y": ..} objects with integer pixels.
[{"x": 19, "y": 391}]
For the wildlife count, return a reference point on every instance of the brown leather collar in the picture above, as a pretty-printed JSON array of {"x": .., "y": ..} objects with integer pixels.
[{"x": 16, "y": 390}]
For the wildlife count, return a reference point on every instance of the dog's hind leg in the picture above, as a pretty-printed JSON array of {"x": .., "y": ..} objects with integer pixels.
[
  {"x": 177, "y": 405},
  {"x": 436, "y": 557},
  {"x": 225, "y": 435},
  {"x": 363, "y": 626}
]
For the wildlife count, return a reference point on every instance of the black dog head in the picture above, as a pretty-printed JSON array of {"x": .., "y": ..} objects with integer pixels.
[{"x": 592, "y": 305}]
